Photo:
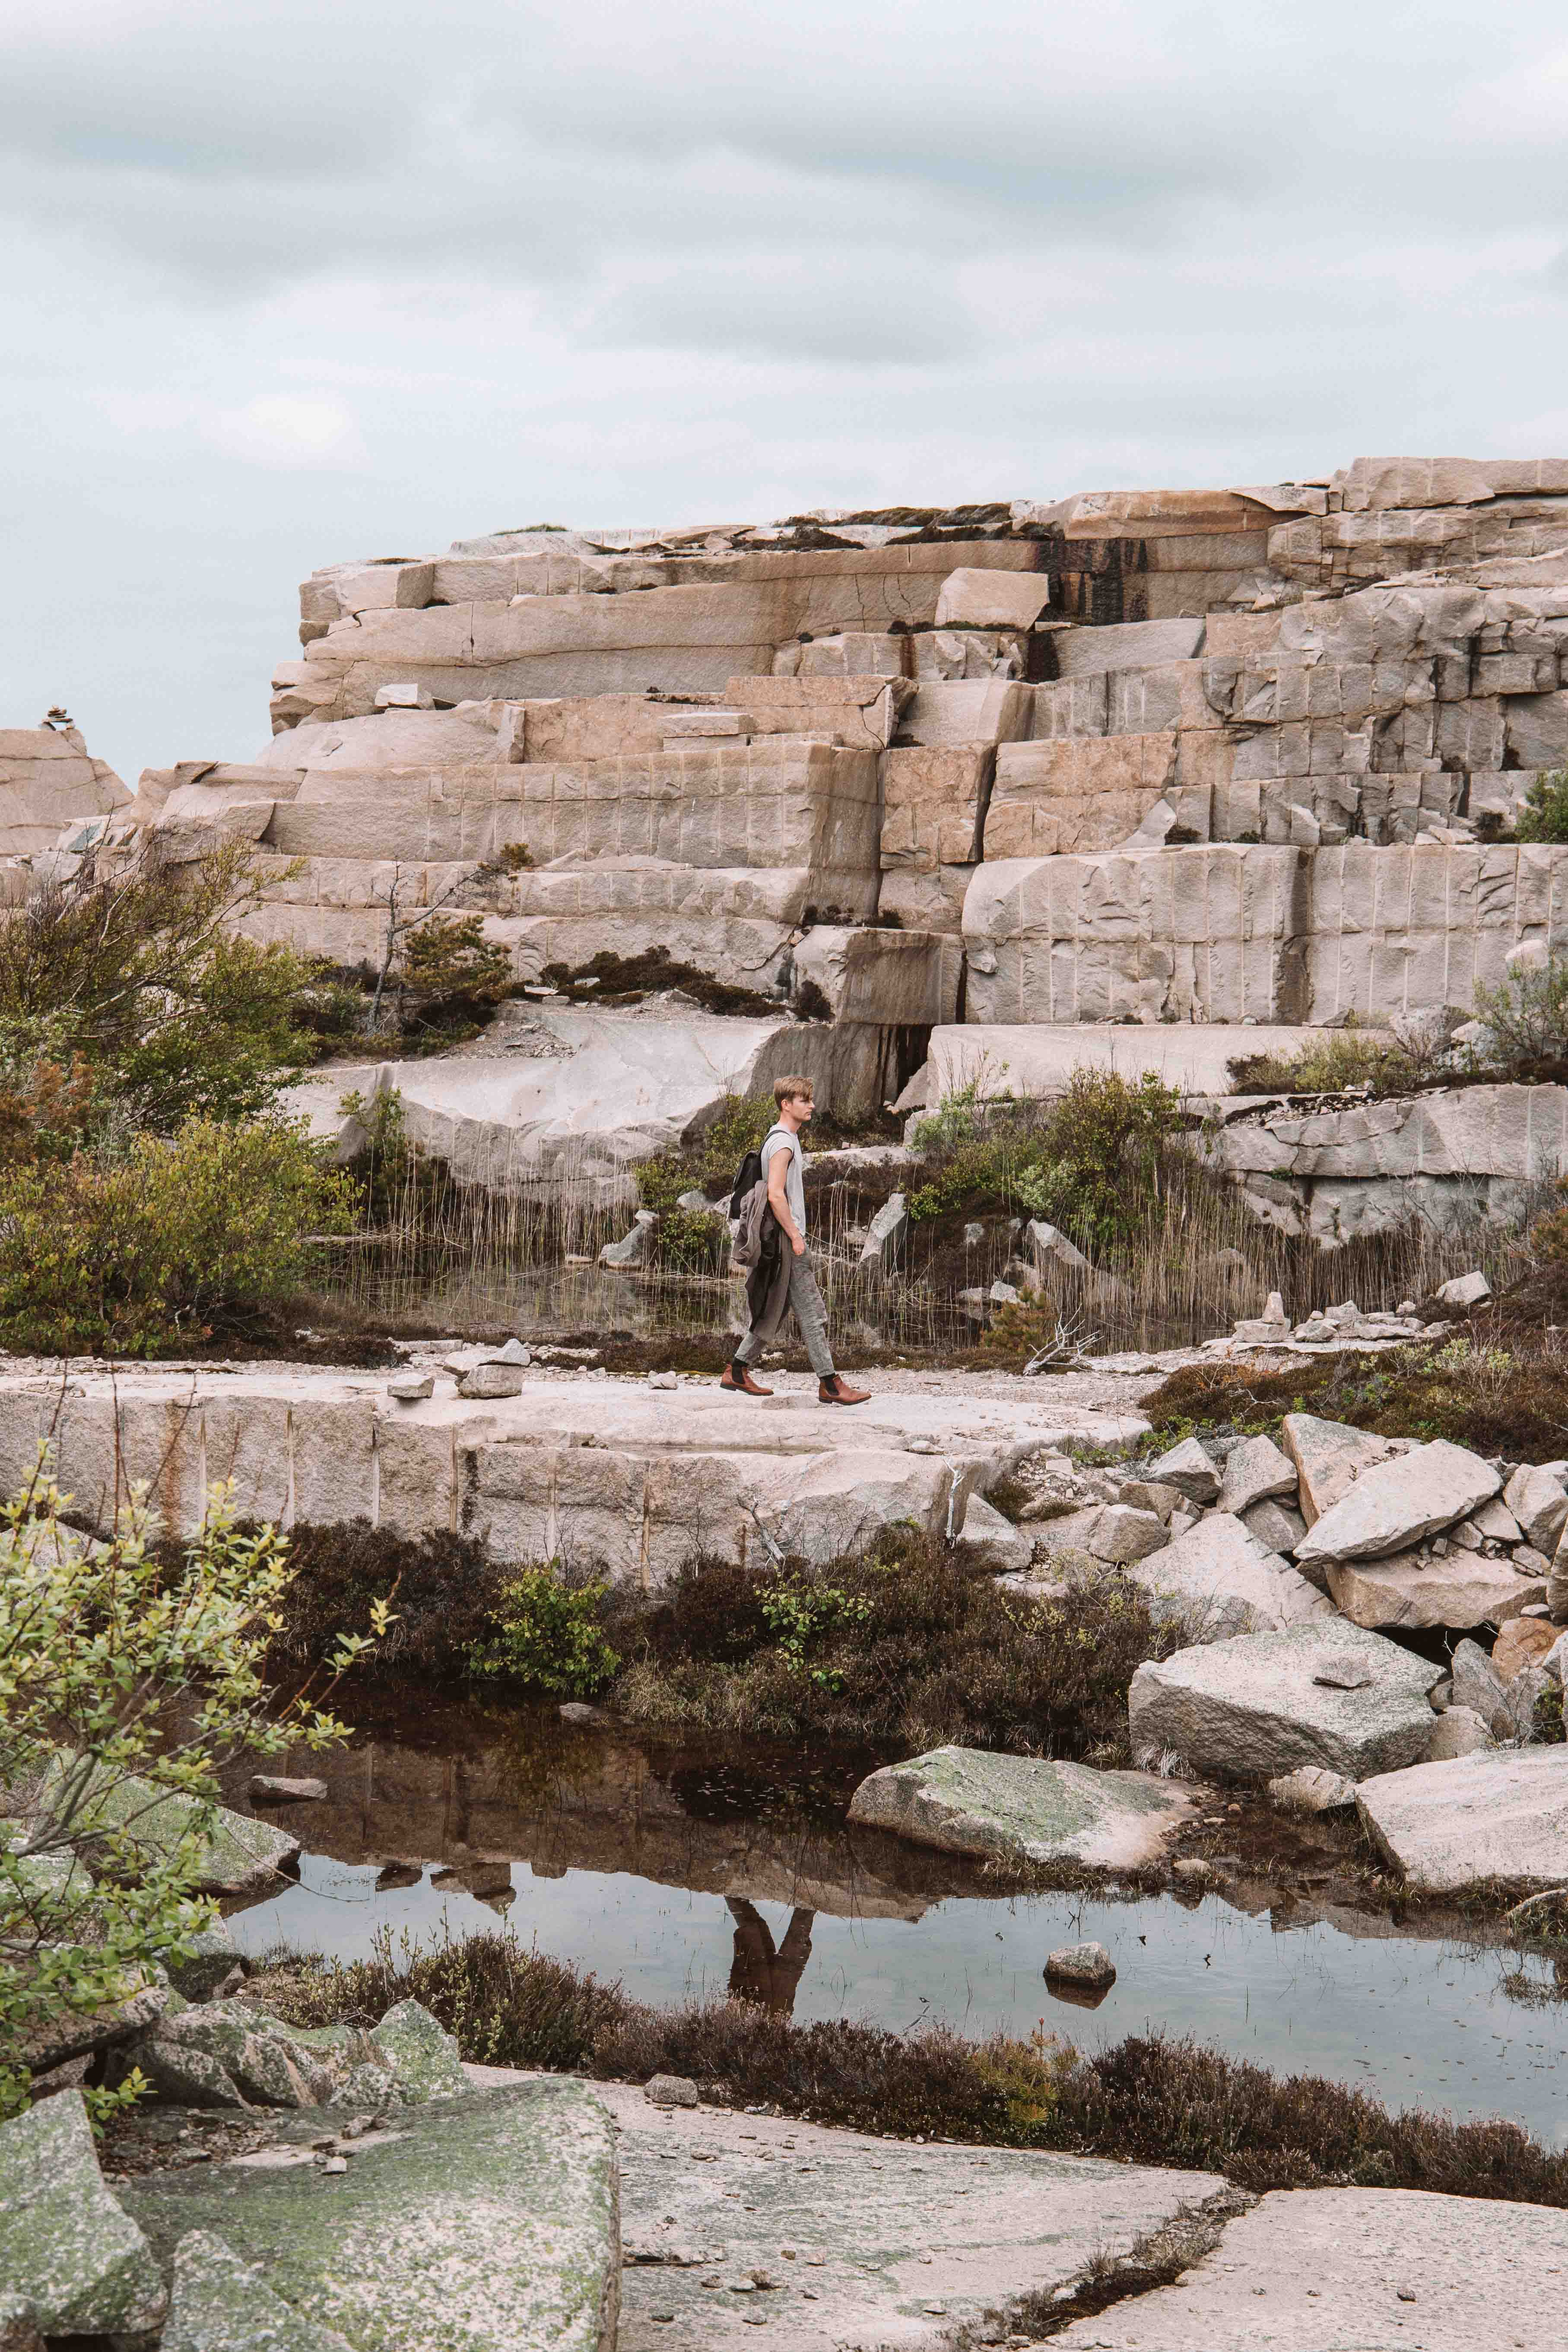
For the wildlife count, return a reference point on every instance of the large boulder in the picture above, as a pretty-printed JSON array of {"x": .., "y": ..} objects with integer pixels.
[
  {"x": 1021, "y": 1809},
  {"x": 229, "y": 2054},
  {"x": 1536, "y": 1497},
  {"x": 238, "y": 1855},
  {"x": 1329, "y": 1456},
  {"x": 990, "y": 1543},
  {"x": 1414, "y": 1589},
  {"x": 1393, "y": 1505},
  {"x": 1502, "y": 1815},
  {"x": 423, "y": 2054},
  {"x": 1263, "y": 1705},
  {"x": 485, "y": 2223},
  {"x": 1189, "y": 1469},
  {"x": 1255, "y": 1472},
  {"x": 1217, "y": 1580},
  {"x": 1117, "y": 1533},
  {"x": 67, "y": 2250}
]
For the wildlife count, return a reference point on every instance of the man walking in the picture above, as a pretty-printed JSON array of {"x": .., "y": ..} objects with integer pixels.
[{"x": 793, "y": 1287}]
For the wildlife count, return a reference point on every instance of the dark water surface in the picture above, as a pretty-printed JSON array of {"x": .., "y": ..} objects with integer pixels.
[{"x": 684, "y": 1868}]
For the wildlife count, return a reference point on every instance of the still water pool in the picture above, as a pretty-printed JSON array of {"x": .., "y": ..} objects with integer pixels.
[{"x": 683, "y": 1873}]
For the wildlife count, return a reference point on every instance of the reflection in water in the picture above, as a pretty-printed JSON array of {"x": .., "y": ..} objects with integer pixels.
[
  {"x": 763, "y": 1971},
  {"x": 683, "y": 1869},
  {"x": 1077, "y": 1996}
]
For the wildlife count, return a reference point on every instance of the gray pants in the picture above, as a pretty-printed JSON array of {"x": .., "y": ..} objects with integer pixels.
[{"x": 806, "y": 1304}]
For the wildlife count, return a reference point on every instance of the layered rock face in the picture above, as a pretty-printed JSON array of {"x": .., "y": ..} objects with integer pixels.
[{"x": 1245, "y": 756}]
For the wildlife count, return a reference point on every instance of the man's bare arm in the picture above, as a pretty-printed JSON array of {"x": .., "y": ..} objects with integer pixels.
[{"x": 778, "y": 1200}]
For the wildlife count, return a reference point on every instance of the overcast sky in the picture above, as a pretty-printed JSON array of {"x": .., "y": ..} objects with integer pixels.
[{"x": 294, "y": 283}]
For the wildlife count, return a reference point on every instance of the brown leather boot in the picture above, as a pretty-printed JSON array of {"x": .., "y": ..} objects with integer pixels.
[
  {"x": 836, "y": 1390},
  {"x": 738, "y": 1378}
]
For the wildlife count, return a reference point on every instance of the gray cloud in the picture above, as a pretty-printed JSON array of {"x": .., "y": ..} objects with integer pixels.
[{"x": 289, "y": 283}]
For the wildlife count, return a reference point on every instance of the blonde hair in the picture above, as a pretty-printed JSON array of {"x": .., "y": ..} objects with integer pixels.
[{"x": 791, "y": 1089}]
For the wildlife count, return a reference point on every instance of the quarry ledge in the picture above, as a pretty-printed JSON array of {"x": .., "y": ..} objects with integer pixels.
[{"x": 634, "y": 1479}]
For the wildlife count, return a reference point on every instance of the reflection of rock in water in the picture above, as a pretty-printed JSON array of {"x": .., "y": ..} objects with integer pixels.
[
  {"x": 398, "y": 1874},
  {"x": 474, "y": 1787},
  {"x": 761, "y": 1970},
  {"x": 487, "y": 1882},
  {"x": 1077, "y": 1996}
]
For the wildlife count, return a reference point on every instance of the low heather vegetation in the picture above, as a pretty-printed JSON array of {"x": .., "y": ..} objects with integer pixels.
[
  {"x": 900, "y": 1649},
  {"x": 1149, "y": 2100},
  {"x": 1492, "y": 1397}
]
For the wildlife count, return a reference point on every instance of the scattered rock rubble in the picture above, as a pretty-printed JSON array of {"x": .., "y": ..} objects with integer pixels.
[{"x": 1289, "y": 1676}]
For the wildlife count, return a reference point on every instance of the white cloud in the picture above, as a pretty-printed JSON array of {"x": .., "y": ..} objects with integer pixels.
[{"x": 278, "y": 430}]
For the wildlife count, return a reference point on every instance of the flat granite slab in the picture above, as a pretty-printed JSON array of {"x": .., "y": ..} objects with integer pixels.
[
  {"x": 891, "y": 2245},
  {"x": 1356, "y": 2270},
  {"x": 1328, "y": 1694},
  {"x": 482, "y": 2224},
  {"x": 1502, "y": 1813},
  {"x": 631, "y": 1479}
]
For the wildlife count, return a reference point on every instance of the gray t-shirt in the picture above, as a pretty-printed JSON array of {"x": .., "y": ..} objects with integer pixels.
[{"x": 779, "y": 1138}]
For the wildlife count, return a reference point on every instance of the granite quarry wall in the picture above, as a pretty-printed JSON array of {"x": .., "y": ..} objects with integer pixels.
[{"x": 1234, "y": 756}]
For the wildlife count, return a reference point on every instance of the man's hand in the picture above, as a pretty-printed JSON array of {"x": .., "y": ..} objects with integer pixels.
[{"x": 797, "y": 1243}]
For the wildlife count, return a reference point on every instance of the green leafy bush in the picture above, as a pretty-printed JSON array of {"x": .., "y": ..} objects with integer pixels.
[
  {"x": 803, "y": 1614},
  {"x": 139, "y": 975},
  {"x": 450, "y": 978},
  {"x": 1528, "y": 1018},
  {"x": 102, "y": 1648},
  {"x": 142, "y": 1252},
  {"x": 1089, "y": 1161},
  {"x": 546, "y": 1633},
  {"x": 1544, "y": 816}
]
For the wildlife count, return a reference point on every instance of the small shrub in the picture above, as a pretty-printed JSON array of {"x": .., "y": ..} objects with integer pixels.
[
  {"x": 145, "y": 1253},
  {"x": 809, "y": 1004},
  {"x": 1344, "y": 1061},
  {"x": 802, "y": 1615},
  {"x": 446, "y": 1591},
  {"x": 1544, "y": 816},
  {"x": 626, "y": 980},
  {"x": 1089, "y": 1161},
  {"x": 515, "y": 857},
  {"x": 1547, "y": 1716},
  {"x": 1019, "y": 1329},
  {"x": 899, "y": 1647},
  {"x": 1517, "y": 1408},
  {"x": 451, "y": 979},
  {"x": 1528, "y": 1018},
  {"x": 127, "y": 1678},
  {"x": 546, "y": 1633}
]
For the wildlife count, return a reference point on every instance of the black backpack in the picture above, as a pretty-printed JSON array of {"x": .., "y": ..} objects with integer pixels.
[{"x": 749, "y": 1173}]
